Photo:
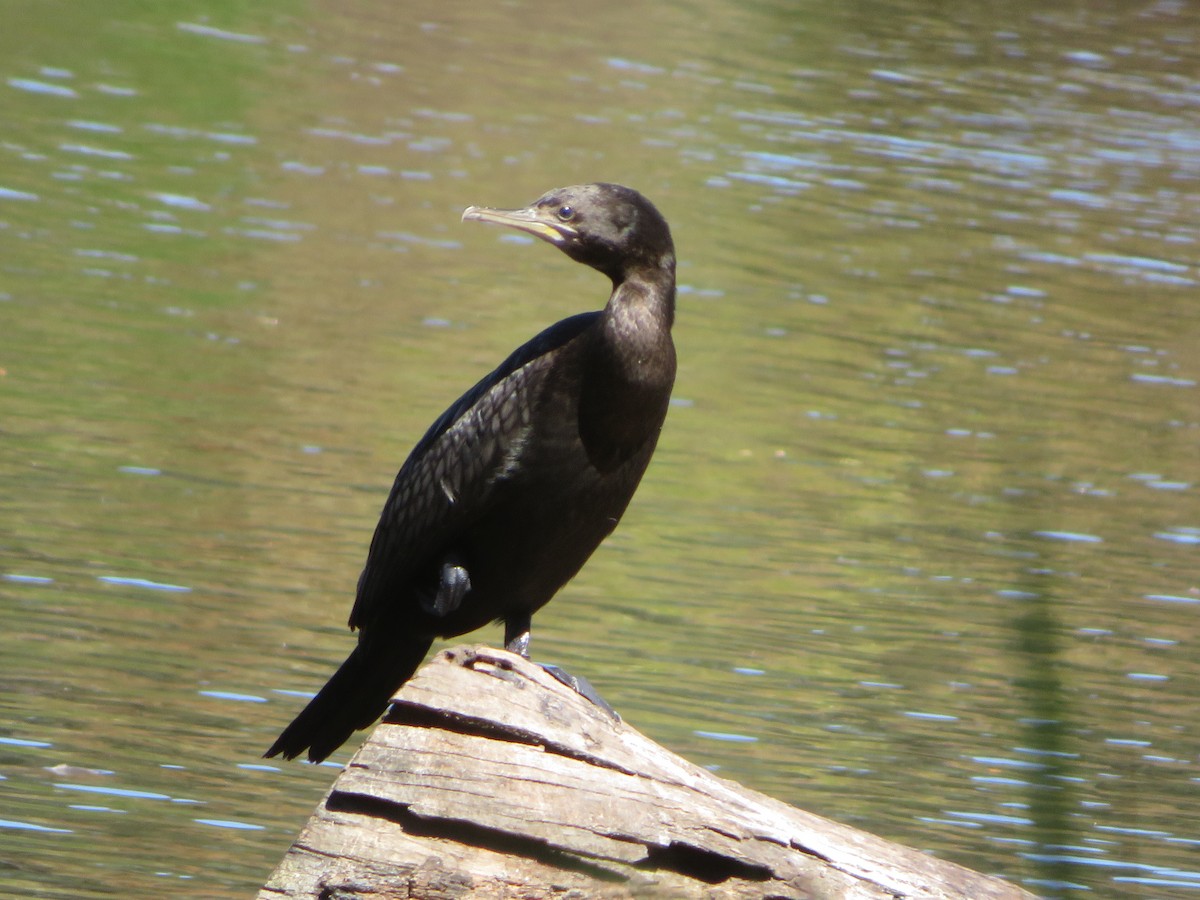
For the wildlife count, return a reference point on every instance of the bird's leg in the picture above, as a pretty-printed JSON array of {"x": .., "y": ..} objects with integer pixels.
[
  {"x": 516, "y": 640},
  {"x": 516, "y": 634},
  {"x": 454, "y": 582}
]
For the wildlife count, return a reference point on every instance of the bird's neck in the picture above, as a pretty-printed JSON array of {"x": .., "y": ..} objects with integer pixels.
[
  {"x": 636, "y": 329},
  {"x": 644, "y": 296},
  {"x": 630, "y": 370}
]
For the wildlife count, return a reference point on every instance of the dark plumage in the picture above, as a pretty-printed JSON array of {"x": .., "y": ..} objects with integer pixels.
[{"x": 512, "y": 488}]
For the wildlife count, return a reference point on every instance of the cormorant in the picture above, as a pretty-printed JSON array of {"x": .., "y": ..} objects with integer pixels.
[{"x": 516, "y": 484}]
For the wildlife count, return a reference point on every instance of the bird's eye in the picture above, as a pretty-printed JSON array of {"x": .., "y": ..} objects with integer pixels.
[{"x": 565, "y": 213}]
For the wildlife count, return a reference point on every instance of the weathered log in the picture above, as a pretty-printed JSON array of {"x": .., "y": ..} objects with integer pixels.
[{"x": 490, "y": 779}]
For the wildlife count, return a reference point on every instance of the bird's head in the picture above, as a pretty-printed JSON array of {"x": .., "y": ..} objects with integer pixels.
[{"x": 609, "y": 227}]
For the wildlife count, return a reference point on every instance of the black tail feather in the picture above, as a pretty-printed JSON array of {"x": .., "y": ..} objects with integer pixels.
[{"x": 353, "y": 698}]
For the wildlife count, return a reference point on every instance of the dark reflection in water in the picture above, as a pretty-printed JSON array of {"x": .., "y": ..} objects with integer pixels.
[
  {"x": 919, "y": 547},
  {"x": 1047, "y": 719}
]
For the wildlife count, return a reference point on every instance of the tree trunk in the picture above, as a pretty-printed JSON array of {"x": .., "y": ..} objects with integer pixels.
[{"x": 490, "y": 779}]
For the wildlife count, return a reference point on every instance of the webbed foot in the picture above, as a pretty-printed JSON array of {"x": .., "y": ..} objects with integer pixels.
[
  {"x": 582, "y": 687},
  {"x": 516, "y": 640},
  {"x": 454, "y": 583}
]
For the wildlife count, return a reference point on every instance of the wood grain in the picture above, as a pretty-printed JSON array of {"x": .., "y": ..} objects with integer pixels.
[{"x": 489, "y": 779}]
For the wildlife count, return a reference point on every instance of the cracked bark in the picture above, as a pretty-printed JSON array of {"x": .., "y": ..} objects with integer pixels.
[{"x": 489, "y": 780}]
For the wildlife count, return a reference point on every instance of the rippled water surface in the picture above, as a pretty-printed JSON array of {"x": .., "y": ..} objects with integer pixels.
[{"x": 920, "y": 549}]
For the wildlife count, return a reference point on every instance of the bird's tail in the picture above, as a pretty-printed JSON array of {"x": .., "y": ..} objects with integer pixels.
[{"x": 353, "y": 698}]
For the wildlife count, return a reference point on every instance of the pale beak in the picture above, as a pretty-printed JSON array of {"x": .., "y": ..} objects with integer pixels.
[{"x": 533, "y": 220}]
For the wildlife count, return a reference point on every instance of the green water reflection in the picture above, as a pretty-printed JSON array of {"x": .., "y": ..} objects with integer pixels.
[{"x": 919, "y": 547}]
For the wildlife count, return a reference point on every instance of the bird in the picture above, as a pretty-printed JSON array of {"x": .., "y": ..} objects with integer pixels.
[{"x": 514, "y": 486}]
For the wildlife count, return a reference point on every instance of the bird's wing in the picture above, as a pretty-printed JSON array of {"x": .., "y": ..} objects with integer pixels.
[{"x": 446, "y": 482}]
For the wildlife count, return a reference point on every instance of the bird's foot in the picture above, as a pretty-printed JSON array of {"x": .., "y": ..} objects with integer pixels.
[
  {"x": 517, "y": 631},
  {"x": 582, "y": 687},
  {"x": 454, "y": 583},
  {"x": 518, "y": 644},
  {"x": 516, "y": 640}
]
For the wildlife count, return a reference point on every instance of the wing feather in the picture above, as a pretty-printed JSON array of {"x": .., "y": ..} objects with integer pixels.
[{"x": 448, "y": 479}]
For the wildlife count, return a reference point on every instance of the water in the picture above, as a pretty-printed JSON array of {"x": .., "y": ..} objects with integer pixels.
[{"x": 919, "y": 547}]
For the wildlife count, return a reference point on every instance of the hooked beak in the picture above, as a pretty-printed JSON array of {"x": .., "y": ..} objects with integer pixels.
[{"x": 533, "y": 220}]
